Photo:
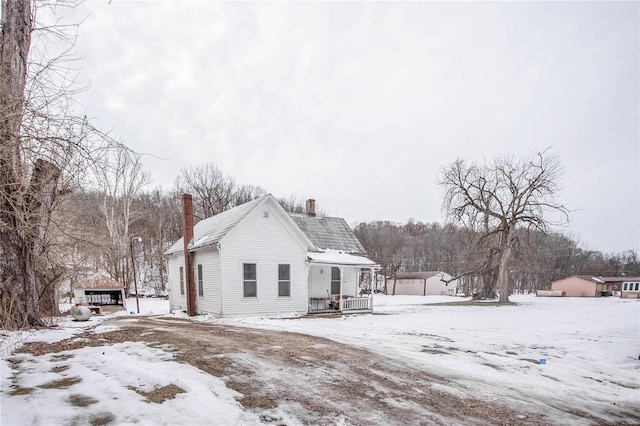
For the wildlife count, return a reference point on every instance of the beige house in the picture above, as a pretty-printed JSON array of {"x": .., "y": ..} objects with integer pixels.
[
  {"x": 586, "y": 286},
  {"x": 427, "y": 283},
  {"x": 630, "y": 288},
  {"x": 627, "y": 287}
]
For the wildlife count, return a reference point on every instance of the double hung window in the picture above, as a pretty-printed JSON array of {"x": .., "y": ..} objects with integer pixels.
[
  {"x": 335, "y": 280},
  {"x": 249, "y": 280},
  {"x": 284, "y": 280}
]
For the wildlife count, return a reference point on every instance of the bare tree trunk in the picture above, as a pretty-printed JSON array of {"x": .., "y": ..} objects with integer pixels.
[
  {"x": 503, "y": 277},
  {"x": 41, "y": 196},
  {"x": 18, "y": 291}
]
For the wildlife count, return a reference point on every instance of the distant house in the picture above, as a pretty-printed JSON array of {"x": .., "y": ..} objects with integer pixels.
[
  {"x": 630, "y": 288},
  {"x": 99, "y": 290},
  {"x": 627, "y": 287},
  {"x": 258, "y": 259},
  {"x": 422, "y": 284},
  {"x": 585, "y": 286}
]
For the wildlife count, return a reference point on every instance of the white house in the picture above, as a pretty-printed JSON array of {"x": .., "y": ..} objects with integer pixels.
[
  {"x": 258, "y": 259},
  {"x": 422, "y": 284}
]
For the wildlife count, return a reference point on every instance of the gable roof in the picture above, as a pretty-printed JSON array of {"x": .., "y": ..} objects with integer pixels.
[
  {"x": 211, "y": 230},
  {"x": 416, "y": 275},
  {"x": 328, "y": 233}
]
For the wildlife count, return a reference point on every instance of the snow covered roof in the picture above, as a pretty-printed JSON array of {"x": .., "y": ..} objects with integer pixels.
[
  {"x": 328, "y": 233},
  {"x": 619, "y": 279},
  {"x": 604, "y": 280},
  {"x": 337, "y": 257},
  {"x": 211, "y": 230}
]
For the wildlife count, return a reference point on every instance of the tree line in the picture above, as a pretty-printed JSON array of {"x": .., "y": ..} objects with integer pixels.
[{"x": 539, "y": 257}]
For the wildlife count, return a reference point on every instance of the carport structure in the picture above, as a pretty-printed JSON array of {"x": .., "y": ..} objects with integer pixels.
[{"x": 99, "y": 290}]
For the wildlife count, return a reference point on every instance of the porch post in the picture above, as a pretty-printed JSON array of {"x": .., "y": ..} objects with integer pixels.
[
  {"x": 340, "y": 302},
  {"x": 307, "y": 290},
  {"x": 373, "y": 286}
]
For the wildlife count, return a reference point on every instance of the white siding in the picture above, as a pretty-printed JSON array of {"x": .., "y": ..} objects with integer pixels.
[
  {"x": 319, "y": 281},
  {"x": 176, "y": 300},
  {"x": 78, "y": 295},
  {"x": 211, "y": 301},
  {"x": 267, "y": 242},
  {"x": 435, "y": 286},
  {"x": 350, "y": 281},
  {"x": 412, "y": 287}
]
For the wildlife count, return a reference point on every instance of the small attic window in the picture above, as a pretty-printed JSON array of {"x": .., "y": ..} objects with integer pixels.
[{"x": 265, "y": 214}]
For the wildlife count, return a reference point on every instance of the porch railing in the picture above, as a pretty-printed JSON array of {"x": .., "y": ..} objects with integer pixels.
[{"x": 356, "y": 303}]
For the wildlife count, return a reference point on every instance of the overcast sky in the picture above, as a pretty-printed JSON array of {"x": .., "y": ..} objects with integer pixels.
[{"x": 359, "y": 105}]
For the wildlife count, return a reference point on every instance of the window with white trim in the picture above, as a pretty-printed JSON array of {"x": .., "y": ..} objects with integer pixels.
[
  {"x": 249, "y": 280},
  {"x": 182, "y": 280},
  {"x": 335, "y": 280},
  {"x": 284, "y": 280},
  {"x": 200, "y": 282}
]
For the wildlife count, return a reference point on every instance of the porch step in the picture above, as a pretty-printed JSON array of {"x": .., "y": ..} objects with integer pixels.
[{"x": 334, "y": 314}]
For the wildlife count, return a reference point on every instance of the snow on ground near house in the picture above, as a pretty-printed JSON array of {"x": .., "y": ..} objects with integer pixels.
[
  {"x": 148, "y": 306},
  {"x": 111, "y": 381},
  {"x": 590, "y": 347}
]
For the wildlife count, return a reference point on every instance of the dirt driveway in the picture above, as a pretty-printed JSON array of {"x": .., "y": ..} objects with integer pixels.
[{"x": 314, "y": 380}]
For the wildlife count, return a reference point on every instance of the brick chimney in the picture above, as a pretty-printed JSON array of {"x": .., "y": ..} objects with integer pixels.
[
  {"x": 187, "y": 232},
  {"x": 311, "y": 207}
]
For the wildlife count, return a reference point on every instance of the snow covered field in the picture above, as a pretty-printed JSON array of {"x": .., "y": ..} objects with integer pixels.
[
  {"x": 551, "y": 355},
  {"x": 589, "y": 347}
]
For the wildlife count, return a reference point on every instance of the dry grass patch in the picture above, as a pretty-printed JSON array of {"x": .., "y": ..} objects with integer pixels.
[
  {"x": 81, "y": 400},
  {"x": 101, "y": 419},
  {"x": 250, "y": 396},
  {"x": 21, "y": 391},
  {"x": 62, "y": 383},
  {"x": 59, "y": 368},
  {"x": 159, "y": 395}
]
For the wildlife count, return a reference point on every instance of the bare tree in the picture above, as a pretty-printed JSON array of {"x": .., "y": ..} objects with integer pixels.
[
  {"x": 500, "y": 197},
  {"x": 120, "y": 183},
  {"x": 384, "y": 243},
  {"x": 159, "y": 227},
  {"x": 45, "y": 148},
  {"x": 213, "y": 191}
]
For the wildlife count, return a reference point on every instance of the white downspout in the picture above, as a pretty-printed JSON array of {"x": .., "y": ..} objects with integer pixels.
[
  {"x": 340, "y": 302},
  {"x": 221, "y": 279},
  {"x": 373, "y": 286},
  {"x": 307, "y": 270}
]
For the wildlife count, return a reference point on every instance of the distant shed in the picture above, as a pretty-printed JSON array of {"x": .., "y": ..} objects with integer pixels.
[
  {"x": 99, "y": 290},
  {"x": 424, "y": 283}
]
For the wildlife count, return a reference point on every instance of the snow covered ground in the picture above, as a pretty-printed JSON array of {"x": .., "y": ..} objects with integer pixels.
[
  {"x": 544, "y": 354},
  {"x": 589, "y": 347}
]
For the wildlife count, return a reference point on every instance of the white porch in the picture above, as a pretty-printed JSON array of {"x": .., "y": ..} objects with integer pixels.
[{"x": 340, "y": 282}]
